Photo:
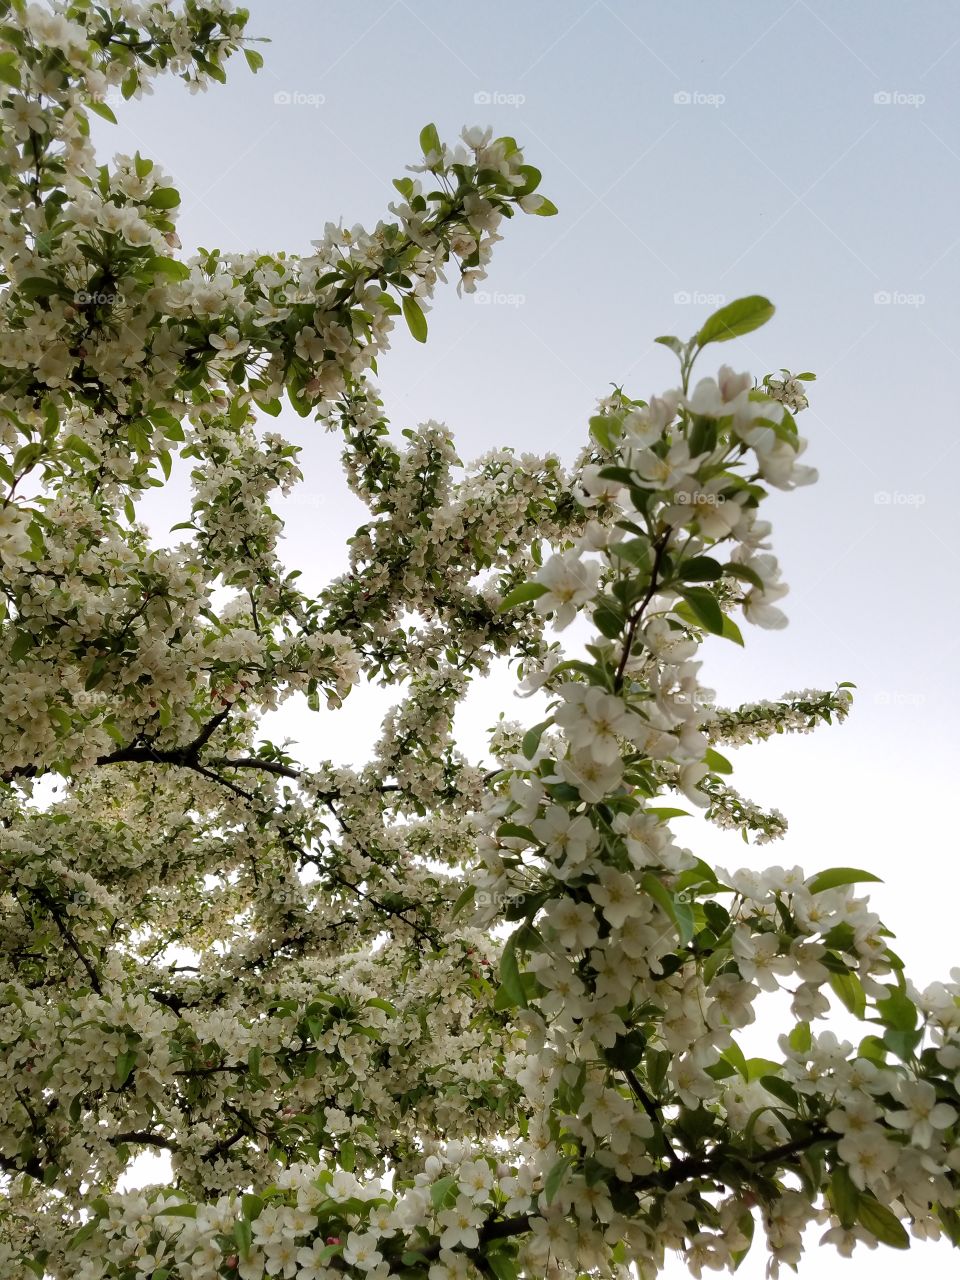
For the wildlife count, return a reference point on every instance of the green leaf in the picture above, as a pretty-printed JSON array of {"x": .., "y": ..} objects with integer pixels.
[
  {"x": 734, "y": 1055},
  {"x": 440, "y": 1190},
  {"x": 253, "y": 1061},
  {"x": 836, "y": 877},
  {"x": 844, "y": 1197},
  {"x": 636, "y": 551},
  {"x": 96, "y": 673},
  {"x": 627, "y": 1051},
  {"x": 799, "y": 1038},
  {"x": 704, "y": 605},
  {"x": 178, "y": 1211},
  {"x": 74, "y": 444},
  {"x": 554, "y": 1178},
  {"x": 531, "y": 739},
  {"x": 416, "y": 320},
  {"x": 679, "y": 912},
  {"x": 731, "y": 631},
  {"x": 757, "y": 1068},
  {"x": 699, "y": 569},
  {"x": 903, "y": 1043},
  {"x": 172, "y": 268},
  {"x": 521, "y": 595},
  {"x": 721, "y": 1070},
  {"x": 781, "y": 1089},
  {"x": 744, "y": 573},
  {"x": 243, "y": 1234},
  {"x": 746, "y": 1225},
  {"x": 34, "y": 287},
  {"x": 114, "y": 730},
  {"x": 164, "y": 198},
  {"x": 126, "y": 1062},
  {"x": 898, "y": 1011},
  {"x": 546, "y": 208},
  {"x": 658, "y": 1063},
  {"x": 608, "y": 621},
  {"x": 375, "y": 1002},
  {"x": 513, "y": 831},
  {"x": 601, "y": 427},
  {"x": 348, "y": 1156},
  {"x": 736, "y": 318},
  {"x": 101, "y": 109},
  {"x": 429, "y": 139},
  {"x": 511, "y": 985},
  {"x": 716, "y": 762},
  {"x": 254, "y": 59},
  {"x": 85, "y": 1232},
  {"x": 675, "y": 345},
  {"x": 273, "y": 407},
  {"x": 503, "y": 1265},
  {"x": 873, "y": 1049},
  {"x": 697, "y": 1122},
  {"x": 850, "y": 990},
  {"x": 21, "y": 646},
  {"x": 465, "y": 898},
  {"x": 9, "y": 74},
  {"x": 882, "y": 1223},
  {"x": 951, "y": 1224}
]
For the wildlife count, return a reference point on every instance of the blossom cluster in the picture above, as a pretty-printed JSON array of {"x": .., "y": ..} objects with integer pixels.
[{"x": 428, "y": 1016}]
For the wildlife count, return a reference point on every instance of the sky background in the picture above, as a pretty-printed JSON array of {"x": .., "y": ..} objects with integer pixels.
[{"x": 697, "y": 151}]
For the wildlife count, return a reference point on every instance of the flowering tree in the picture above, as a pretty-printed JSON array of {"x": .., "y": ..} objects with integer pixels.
[{"x": 422, "y": 1018}]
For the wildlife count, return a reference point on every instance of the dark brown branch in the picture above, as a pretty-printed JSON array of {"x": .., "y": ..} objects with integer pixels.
[
  {"x": 652, "y": 1110},
  {"x": 660, "y": 547},
  {"x": 68, "y": 937},
  {"x": 690, "y": 1169},
  {"x": 144, "y": 1139},
  {"x": 15, "y": 1166}
]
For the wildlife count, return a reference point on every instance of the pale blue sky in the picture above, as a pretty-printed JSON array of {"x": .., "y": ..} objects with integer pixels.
[{"x": 783, "y": 174}]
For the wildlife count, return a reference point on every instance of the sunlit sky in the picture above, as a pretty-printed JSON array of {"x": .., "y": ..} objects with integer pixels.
[{"x": 697, "y": 152}]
